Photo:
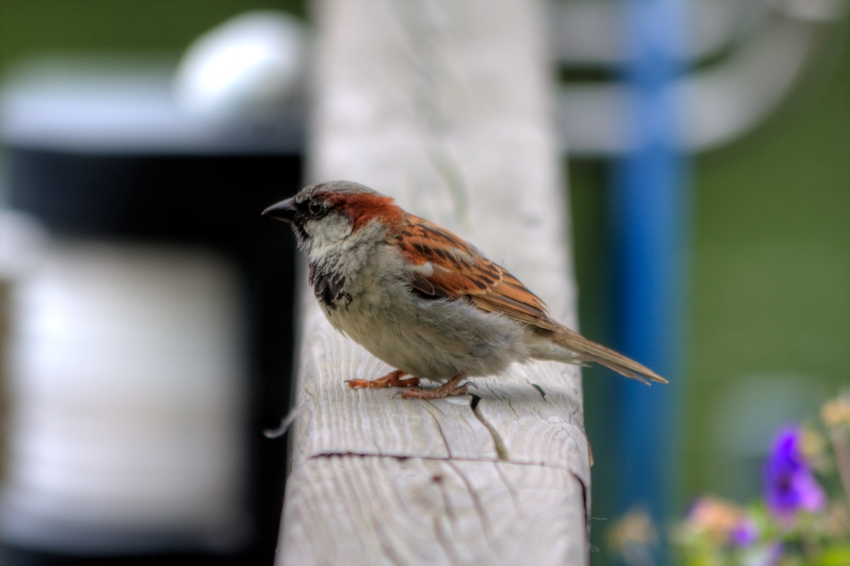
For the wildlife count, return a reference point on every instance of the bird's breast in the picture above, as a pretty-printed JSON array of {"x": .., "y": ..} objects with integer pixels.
[{"x": 330, "y": 289}]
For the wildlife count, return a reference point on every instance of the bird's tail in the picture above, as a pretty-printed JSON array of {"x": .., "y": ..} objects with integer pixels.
[{"x": 589, "y": 351}]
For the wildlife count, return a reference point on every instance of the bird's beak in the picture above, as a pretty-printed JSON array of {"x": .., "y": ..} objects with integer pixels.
[{"x": 284, "y": 210}]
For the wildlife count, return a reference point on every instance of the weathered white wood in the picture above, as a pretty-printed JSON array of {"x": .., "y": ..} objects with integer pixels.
[
  {"x": 432, "y": 512},
  {"x": 445, "y": 105}
]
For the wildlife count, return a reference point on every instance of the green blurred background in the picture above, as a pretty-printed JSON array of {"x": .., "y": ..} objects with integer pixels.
[
  {"x": 769, "y": 295},
  {"x": 29, "y": 27},
  {"x": 769, "y": 304}
]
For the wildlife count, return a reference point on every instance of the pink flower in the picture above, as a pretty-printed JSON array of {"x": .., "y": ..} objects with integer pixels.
[{"x": 723, "y": 521}]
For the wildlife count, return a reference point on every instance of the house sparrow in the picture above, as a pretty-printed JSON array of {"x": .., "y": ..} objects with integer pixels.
[{"x": 422, "y": 299}]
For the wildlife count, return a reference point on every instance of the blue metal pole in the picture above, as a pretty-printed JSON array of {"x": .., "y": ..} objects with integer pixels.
[{"x": 650, "y": 220}]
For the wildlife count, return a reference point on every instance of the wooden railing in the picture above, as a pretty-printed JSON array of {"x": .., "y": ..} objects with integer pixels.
[{"x": 446, "y": 106}]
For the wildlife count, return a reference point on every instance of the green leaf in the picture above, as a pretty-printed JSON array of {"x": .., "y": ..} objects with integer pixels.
[{"x": 835, "y": 556}]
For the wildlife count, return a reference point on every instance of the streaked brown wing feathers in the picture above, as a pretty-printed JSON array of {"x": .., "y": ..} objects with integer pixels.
[{"x": 458, "y": 270}]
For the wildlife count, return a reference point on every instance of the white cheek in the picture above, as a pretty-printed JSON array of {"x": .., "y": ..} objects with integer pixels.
[{"x": 326, "y": 233}]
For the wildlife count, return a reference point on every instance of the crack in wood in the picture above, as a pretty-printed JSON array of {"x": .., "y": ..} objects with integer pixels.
[
  {"x": 539, "y": 389},
  {"x": 501, "y": 449},
  {"x": 585, "y": 496},
  {"x": 440, "y": 430},
  {"x": 402, "y": 458}
]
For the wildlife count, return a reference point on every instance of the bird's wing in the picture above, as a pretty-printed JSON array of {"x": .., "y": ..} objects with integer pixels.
[{"x": 448, "y": 267}]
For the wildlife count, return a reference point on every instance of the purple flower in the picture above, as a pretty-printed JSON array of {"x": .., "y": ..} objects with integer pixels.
[
  {"x": 790, "y": 485},
  {"x": 745, "y": 533}
]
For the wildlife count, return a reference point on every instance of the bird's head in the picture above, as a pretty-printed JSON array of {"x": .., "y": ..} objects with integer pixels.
[{"x": 333, "y": 216}]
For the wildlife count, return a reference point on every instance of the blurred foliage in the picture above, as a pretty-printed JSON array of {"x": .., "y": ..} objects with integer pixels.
[
  {"x": 798, "y": 522},
  {"x": 770, "y": 281},
  {"x": 771, "y": 268},
  {"x": 770, "y": 290}
]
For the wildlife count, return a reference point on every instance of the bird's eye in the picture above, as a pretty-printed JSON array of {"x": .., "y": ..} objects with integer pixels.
[{"x": 315, "y": 208}]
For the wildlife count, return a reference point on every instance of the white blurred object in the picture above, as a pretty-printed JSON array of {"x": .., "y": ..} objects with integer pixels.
[
  {"x": 127, "y": 386},
  {"x": 126, "y": 106},
  {"x": 585, "y": 33},
  {"x": 23, "y": 242},
  {"x": 815, "y": 10},
  {"x": 252, "y": 62},
  {"x": 774, "y": 42}
]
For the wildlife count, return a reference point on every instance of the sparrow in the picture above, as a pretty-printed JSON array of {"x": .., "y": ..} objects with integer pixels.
[{"x": 422, "y": 299}]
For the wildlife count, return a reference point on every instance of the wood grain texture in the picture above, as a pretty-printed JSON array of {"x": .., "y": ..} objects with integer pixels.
[
  {"x": 444, "y": 105},
  {"x": 446, "y": 512}
]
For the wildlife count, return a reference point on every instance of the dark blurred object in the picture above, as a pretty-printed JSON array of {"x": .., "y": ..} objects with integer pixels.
[{"x": 97, "y": 152}]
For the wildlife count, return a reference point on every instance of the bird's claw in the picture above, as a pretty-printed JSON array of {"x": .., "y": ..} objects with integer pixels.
[
  {"x": 392, "y": 379},
  {"x": 439, "y": 393}
]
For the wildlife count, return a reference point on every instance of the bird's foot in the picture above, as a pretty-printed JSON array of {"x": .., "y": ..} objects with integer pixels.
[
  {"x": 392, "y": 379},
  {"x": 450, "y": 388}
]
